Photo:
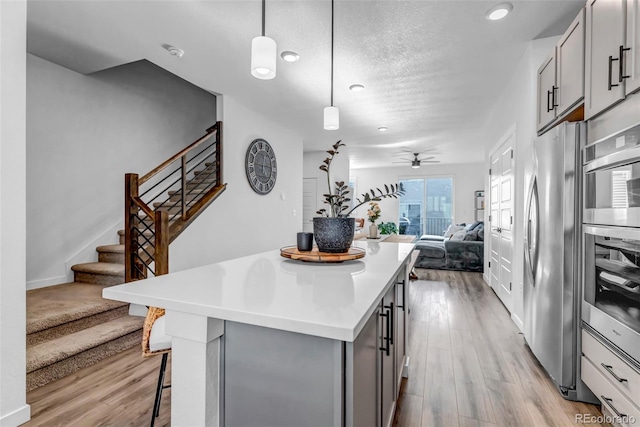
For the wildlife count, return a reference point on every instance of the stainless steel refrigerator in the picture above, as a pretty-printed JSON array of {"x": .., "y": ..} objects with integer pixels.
[{"x": 552, "y": 290}]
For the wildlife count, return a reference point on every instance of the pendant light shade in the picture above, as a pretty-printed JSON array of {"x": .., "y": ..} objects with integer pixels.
[
  {"x": 331, "y": 114},
  {"x": 263, "y": 54},
  {"x": 331, "y": 118},
  {"x": 263, "y": 58}
]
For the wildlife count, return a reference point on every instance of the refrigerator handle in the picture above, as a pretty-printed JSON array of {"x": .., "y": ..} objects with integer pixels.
[{"x": 532, "y": 231}]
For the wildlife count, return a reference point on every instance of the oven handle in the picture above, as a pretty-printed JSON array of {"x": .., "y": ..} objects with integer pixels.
[
  {"x": 626, "y": 233},
  {"x": 621, "y": 158}
]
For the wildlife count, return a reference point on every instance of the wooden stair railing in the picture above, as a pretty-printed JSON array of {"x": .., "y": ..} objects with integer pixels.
[{"x": 162, "y": 203}]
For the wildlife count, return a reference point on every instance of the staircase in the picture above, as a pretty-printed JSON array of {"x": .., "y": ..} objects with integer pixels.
[{"x": 70, "y": 326}]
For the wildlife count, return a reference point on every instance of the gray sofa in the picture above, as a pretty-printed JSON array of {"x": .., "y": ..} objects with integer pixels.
[{"x": 462, "y": 251}]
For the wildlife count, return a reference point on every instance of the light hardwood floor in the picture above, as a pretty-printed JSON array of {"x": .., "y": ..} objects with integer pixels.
[
  {"x": 469, "y": 367},
  {"x": 469, "y": 364}
]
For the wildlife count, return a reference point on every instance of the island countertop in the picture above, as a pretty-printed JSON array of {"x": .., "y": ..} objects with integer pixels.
[{"x": 331, "y": 300}]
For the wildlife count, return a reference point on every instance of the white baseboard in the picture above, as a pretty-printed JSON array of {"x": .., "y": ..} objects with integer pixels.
[
  {"x": 17, "y": 417},
  {"x": 486, "y": 279},
  {"x": 518, "y": 322},
  {"x": 43, "y": 283}
]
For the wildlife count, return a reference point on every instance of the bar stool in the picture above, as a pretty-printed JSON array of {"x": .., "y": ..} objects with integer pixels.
[{"x": 155, "y": 341}]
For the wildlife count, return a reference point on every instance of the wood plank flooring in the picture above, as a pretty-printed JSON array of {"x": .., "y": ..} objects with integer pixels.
[
  {"x": 469, "y": 368},
  {"x": 469, "y": 364}
]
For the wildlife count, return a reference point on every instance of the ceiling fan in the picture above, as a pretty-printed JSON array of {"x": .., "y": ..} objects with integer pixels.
[{"x": 415, "y": 162}]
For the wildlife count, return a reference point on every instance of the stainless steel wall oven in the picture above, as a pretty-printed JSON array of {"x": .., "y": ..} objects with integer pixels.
[{"x": 611, "y": 242}]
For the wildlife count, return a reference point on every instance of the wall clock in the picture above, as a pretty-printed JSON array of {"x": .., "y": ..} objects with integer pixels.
[{"x": 261, "y": 166}]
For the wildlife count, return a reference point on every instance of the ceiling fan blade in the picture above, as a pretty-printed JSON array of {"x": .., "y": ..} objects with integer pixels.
[
  {"x": 426, "y": 158},
  {"x": 430, "y": 161}
]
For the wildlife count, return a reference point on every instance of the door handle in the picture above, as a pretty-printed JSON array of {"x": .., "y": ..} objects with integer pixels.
[{"x": 621, "y": 63}]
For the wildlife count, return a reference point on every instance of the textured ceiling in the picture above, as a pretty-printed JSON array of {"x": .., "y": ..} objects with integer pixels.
[{"x": 432, "y": 69}]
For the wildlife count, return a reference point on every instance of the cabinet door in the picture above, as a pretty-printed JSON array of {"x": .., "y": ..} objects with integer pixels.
[
  {"x": 401, "y": 326},
  {"x": 632, "y": 56},
  {"x": 605, "y": 29},
  {"x": 570, "y": 62},
  {"x": 546, "y": 91},
  {"x": 362, "y": 386},
  {"x": 387, "y": 371}
]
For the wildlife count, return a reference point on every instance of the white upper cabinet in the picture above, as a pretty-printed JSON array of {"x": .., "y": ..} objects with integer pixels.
[
  {"x": 561, "y": 75},
  {"x": 570, "y": 63},
  {"x": 605, "y": 39},
  {"x": 632, "y": 56},
  {"x": 547, "y": 91}
]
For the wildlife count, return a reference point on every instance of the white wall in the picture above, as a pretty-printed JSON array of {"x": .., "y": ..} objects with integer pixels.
[
  {"x": 467, "y": 178},
  {"x": 84, "y": 133},
  {"x": 241, "y": 222},
  {"x": 515, "y": 109},
  {"x": 339, "y": 170},
  {"x": 13, "y": 33}
]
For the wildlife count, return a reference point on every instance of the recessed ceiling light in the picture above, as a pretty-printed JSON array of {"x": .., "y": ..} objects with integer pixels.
[
  {"x": 174, "y": 51},
  {"x": 383, "y": 128},
  {"x": 499, "y": 11},
  {"x": 289, "y": 56},
  {"x": 356, "y": 88}
]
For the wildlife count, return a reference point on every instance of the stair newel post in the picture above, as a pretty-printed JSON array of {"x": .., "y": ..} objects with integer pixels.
[
  {"x": 131, "y": 191},
  {"x": 161, "y": 255},
  {"x": 219, "y": 153},
  {"x": 183, "y": 191}
]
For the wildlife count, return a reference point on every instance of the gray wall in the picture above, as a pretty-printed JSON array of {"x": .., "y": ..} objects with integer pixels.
[{"x": 84, "y": 132}]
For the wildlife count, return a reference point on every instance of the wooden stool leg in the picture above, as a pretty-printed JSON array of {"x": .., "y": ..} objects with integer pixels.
[{"x": 156, "y": 405}]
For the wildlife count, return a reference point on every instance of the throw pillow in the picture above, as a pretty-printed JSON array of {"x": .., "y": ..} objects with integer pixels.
[
  {"x": 452, "y": 229},
  {"x": 481, "y": 233},
  {"x": 473, "y": 225},
  {"x": 471, "y": 235},
  {"x": 458, "y": 235}
]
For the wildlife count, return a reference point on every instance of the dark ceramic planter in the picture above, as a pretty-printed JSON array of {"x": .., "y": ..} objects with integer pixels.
[{"x": 333, "y": 235}]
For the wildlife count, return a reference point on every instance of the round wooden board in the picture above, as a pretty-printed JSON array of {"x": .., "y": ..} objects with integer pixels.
[{"x": 315, "y": 255}]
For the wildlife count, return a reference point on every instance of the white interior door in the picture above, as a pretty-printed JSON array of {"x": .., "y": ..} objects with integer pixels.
[
  {"x": 501, "y": 221},
  {"x": 309, "y": 203}
]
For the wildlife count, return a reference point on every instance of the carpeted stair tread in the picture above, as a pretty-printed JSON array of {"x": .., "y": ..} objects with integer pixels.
[
  {"x": 56, "y": 305},
  {"x": 106, "y": 268},
  {"x": 116, "y": 249},
  {"x": 53, "y": 351}
]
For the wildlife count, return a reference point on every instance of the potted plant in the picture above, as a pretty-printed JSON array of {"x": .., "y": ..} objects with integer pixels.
[{"x": 333, "y": 229}]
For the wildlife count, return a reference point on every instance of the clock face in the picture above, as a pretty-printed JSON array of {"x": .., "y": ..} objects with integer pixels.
[{"x": 261, "y": 166}]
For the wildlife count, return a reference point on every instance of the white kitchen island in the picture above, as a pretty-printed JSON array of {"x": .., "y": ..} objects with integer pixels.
[{"x": 267, "y": 341}]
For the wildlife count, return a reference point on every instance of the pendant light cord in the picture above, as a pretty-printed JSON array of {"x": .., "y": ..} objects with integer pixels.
[
  {"x": 332, "y": 53},
  {"x": 263, "y": 13}
]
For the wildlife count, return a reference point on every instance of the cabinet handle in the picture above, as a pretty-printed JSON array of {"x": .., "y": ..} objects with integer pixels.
[
  {"x": 613, "y": 408},
  {"x": 404, "y": 295},
  {"x": 553, "y": 97},
  {"x": 548, "y": 101},
  {"x": 391, "y": 316},
  {"x": 613, "y": 374},
  {"x": 611, "y": 59},
  {"x": 386, "y": 348},
  {"x": 622, "y": 51}
]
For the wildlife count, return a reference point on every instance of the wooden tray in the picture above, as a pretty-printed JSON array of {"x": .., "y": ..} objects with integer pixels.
[{"x": 315, "y": 255}]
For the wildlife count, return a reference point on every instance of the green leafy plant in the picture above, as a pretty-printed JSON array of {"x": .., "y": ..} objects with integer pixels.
[
  {"x": 339, "y": 202},
  {"x": 388, "y": 228}
]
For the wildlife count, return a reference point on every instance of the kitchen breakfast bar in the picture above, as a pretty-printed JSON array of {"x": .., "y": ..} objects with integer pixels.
[{"x": 267, "y": 341}]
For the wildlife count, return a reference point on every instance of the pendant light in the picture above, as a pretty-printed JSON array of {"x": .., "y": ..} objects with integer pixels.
[
  {"x": 263, "y": 54},
  {"x": 331, "y": 114}
]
